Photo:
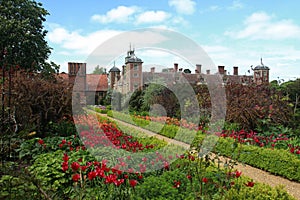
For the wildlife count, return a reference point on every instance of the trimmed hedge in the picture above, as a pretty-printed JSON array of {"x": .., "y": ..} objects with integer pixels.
[
  {"x": 276, "y": 161},
  {"x": 168, "y": 130}
]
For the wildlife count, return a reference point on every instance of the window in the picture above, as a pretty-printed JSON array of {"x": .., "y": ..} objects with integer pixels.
[
  {"x": 264, "y": 73},
  {"x": 135, "y": 75},
  {"x": 135, "y": 67}
]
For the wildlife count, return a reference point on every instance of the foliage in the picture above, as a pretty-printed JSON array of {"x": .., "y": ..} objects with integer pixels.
[
  {"x": 30, "y": 149},
  {"x": 61, "y": 170},
  {"x": 248, "y": 104},
  {"x": 17, "y": 183},
  {"x": 276, "y": 161},
  {"x": 291, "y": 90},
  {"x": 47, "y": 168},
  {"x": 252, "y": 155},
  {"x": 22, "y": 36},
  {"x": 37, "y": 101},
  {"x": 183, "y": 133},
  {"x": 64, "y": 127},
  {"x": 99, "y": 70},
  {"x": 258, "y": 192},
  {"x": 157, "y": 93}
]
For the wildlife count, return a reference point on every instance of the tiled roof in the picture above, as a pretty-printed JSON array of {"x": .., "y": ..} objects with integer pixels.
[{"x": 96, "y": 82}]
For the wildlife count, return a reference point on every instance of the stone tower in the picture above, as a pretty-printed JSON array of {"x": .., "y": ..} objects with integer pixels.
[
  {"x": 261, "y": 73},
  {"x": 114, "y": 76},
  {"x": 132, "y": 72}
]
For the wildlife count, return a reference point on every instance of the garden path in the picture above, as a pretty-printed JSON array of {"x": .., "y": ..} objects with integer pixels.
[{"x": 258, "y": 175}]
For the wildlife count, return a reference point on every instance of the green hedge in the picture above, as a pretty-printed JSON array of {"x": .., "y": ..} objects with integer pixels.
[
  {"x": 276, "y": 161},
  {"x": 170, "y": 131}
]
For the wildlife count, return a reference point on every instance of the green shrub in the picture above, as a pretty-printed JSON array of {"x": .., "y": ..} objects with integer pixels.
[
  {"x": 258, "y": 192},
  {"x": 29, "y": 149},
  {"x": 276, "y": 161},
  {"x": 47, "y": 168},
  {"x": 63, "y": 128},
  {"x": 161, "y": 187}
]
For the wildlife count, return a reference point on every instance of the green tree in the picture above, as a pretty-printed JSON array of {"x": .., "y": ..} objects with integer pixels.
[
  {"x": 99, "y": 70},
  {"x": 22, "y": 36}
]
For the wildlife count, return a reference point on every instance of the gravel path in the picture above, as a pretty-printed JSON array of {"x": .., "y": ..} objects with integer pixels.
[{"x": 293, "y": 188}]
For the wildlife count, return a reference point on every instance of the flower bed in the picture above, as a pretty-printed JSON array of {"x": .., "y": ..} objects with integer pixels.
[
  {"x": 64, "y": 169},
  {"x": 248, "y": 150}
]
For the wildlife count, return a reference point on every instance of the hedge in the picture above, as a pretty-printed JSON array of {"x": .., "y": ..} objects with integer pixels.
[{"x": 276, "y": 161}]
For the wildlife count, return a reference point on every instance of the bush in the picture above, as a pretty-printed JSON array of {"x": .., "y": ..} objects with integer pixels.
[
  {"x": 38, "y": 101},
  {"x": 161, "y": 187},
  {"x": 276, "y": 161},
  {"x": 258, "y": 192}
]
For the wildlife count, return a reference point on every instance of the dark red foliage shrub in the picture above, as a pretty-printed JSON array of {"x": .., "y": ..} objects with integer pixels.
[{"x": 36, "y": 101}]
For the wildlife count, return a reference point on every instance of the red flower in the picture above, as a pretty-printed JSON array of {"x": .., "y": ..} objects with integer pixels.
[
  {"x": 238, "y": 174},
  {"x": 273, "y": 145},
  {"x": 250, "y": 184},
  {"x": 65, "y": 166},
  {"x": 292, "y": 150},
  {"x": 192, "y": 158},
  {"x": 261, "y": 144},
  {"x": 66, "y": 157},
  {"x": 63, "y": 141},
  {"x": 76, "y": 177},
  {"x": 92, "y": 175},
  {"x": 110, "y": 178},
  {"x": 41, "y": 142},
  {"x": 83, "y": 168},
  {"x": 144, "y": 159},
  {"x": 204, "y": 180},
  {"x": 166, "y": 166},
  {"x": 176, "y": 184},
  {"x": 118, "y": 182},
  {"x": 133, "y": 182},
  {"x": 75, "y": 166},
  {"x": 189, "y": 176},
  {"x": 298, "y": 151}
]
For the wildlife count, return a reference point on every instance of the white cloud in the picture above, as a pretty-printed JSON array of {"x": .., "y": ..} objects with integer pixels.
[
  {"x": 260, "y": 25},
  {"x": 78, "y": 43},
  {"x": 183, "y": 6},
  {"x": 236, "y": 5},
  {"x": 121, "y": 14},
  {"x": 152, "y": 17}
]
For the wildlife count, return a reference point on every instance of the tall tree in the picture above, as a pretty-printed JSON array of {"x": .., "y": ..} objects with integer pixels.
[
  {"x": 99, "y": 70},
  {"x": 22, "y": 36}
]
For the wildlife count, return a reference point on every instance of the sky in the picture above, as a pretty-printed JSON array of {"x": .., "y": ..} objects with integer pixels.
[{"x": 231, "y": 32}]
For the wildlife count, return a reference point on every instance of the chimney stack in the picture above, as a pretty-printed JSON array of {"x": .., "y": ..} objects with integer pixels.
[
  {"x": 207, "y": 71},
  {"x": 198, "y": 69},
  {"x": 221, "y": 69},
  {"x": 235, "y": 70},
  {"x": 175, "y": 67},
  {"x": 152, "y": 69}
]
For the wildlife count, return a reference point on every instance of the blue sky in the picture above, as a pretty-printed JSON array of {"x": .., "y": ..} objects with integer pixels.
[{"x": 232, "y": 32}]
